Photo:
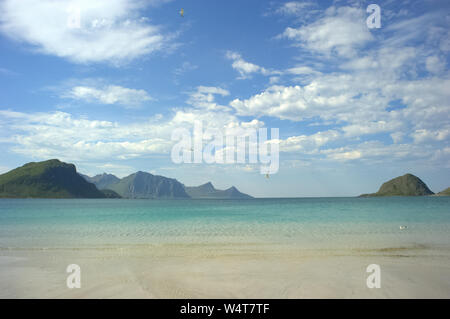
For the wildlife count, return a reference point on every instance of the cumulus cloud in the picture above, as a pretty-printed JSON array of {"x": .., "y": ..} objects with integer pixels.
[
  {"x": 83, "y": 31},
  {"x": 62, "y": 135},
  {"x": 350, "y": 103},
  {"x": 341, "y": 31},
  {"x": 308, "y": 143},
  {"x": 355, "y": 97},
  {"x": 110, "y": 94},
  {"x": 424, "y": 135}
]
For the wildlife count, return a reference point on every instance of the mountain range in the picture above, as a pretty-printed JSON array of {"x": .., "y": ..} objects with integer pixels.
[
  {"x": 145, "y": 185},
  {"x": 56, "y": 179}
]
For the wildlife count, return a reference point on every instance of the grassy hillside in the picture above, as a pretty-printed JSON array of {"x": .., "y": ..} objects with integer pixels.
[{"x": 48, "y": 179}]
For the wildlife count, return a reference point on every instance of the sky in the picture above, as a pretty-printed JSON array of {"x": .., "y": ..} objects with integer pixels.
[{"x": 103, "y": 84}]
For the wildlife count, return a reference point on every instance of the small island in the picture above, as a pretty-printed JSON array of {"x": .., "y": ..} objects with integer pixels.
[{"x": 406, "y": 185}]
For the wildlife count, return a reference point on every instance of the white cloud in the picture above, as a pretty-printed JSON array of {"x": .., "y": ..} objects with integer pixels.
[
  {"x": 308, "y": 143},
  {"x": 341, "y": 31},
  {"x": 406, "y": 31},
  {"x": 351, "y": 155},
  {"x": 363, "y": 128},
  {"x": 295, "y": 102},
  {"x": 245, "y": 68},
  {"x": 294, "y": 7},
  {"x": 375, "y": 152},
  {"x": 302, "y": 70},
  {"x": 435, "y": 65},
  {"x": 397, "y": 137},
  {"x": 204, "y": 97},
  {"x": 62, "y": 135},
  {"x": 356, "y": 98},
  {"x": 185, "y": 67},
  {"x": 110, "y": 30},
  {"x": 424, "y": 135},
  {"x": 111, "y": 94}
]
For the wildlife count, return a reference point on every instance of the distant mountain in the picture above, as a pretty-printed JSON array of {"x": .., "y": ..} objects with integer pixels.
[
  {"x": 102, "y": 181},
  {"x": 207, "y": 191},
  {"x": 406, "y": 185},
  {"x": 55, "y": 179},
  {"x": 48, "y": 179},
  {"x": 445, "y": 192},
  {"x": 146, "y": 185}
]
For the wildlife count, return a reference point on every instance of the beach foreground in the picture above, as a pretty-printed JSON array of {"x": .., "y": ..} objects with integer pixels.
[{"x": 225, "y": 271}]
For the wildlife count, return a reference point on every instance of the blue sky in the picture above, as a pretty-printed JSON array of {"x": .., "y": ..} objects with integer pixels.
[{"x": 354, "y": 106}]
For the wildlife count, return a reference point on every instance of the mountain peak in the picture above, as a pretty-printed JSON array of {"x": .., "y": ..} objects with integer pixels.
[
  {"x": 207, "y": 187},
  {"x": 102, "y": 181},
  {"x": 142, "y": 173}
]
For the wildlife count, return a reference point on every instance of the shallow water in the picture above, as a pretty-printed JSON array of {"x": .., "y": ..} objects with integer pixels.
[{"x": 306, "y": 222}]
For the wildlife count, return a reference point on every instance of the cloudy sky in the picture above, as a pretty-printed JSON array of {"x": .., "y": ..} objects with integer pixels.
[{"x": 354, "y": 106}]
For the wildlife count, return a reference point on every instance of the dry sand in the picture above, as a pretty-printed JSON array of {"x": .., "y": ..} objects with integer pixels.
[{"x": 225, "y": 270}]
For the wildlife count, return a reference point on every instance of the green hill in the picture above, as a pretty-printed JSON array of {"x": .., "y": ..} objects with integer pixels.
[
  {"x": 406, "y": 185},
  {"x": 48, "y": 179}
]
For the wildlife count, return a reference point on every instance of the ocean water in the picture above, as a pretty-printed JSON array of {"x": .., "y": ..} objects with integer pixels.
[{"x": 306, "y": 222}]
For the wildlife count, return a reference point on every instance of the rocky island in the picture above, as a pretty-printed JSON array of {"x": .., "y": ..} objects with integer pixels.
[{"x": 406, "y": 185}]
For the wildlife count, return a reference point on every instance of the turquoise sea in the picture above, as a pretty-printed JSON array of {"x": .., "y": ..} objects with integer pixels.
[{"x": 308, "y": 222}]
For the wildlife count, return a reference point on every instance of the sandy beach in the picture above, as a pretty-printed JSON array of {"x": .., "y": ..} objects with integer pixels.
[
  {"x": 225, "y": 271},
  {"x": 278, "y": 248}
]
